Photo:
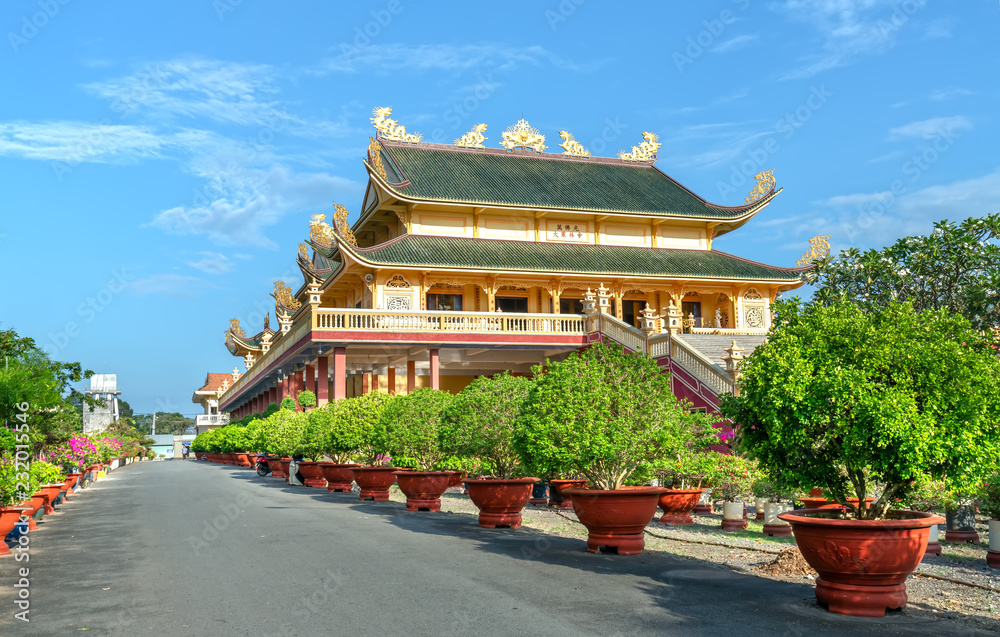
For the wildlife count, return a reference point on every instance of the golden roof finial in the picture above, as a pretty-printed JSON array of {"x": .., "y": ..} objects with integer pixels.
[
  {"x": 819, "y": 248},
  {"x": 283, "y": 295},
  {"x": 645, "y": 152},
  {"x": 234, "y": 327},
  {"x": 303, "y": 252},
  {"x": 375, "y": 157},
  {"x": 320, "y": 232},
  {"x": 389, "y": 129},
  {"x": 765, "y": 184},
  {"x": 343, "y": 226},
  {"x": 572, "y": 147},
  {"x": 474, "y": 138},
  {"x": 522, "y": 135}
]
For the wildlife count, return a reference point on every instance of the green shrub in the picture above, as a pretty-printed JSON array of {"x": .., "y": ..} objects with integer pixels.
[
  {"x": 603, "y": 413},
  {"x": 288, "y": 404},
  {"x": 16, "y": 485},
  {"x": 270, "y": 409},
  {"x": 46, "y": 473},
  {"x": 306, "y": 399},
  {"x": 282, "y": 432},
  {"x": 479, "y": 422},
  {"x": 870, "y": 403},
  {"x": 352, "y": 427},
  {"x": 411, "y": 425}
]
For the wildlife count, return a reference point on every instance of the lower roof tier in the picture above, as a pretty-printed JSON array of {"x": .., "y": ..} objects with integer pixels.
[{"x": 555, "y": 258}]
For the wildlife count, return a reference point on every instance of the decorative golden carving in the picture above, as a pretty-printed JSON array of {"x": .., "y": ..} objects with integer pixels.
[
  {"x": 753, "y": 295},
  {"x": 303, "y": 253},
  {"x": 763, "y": 187},
  {"x": 645, "y": 152},
  {"x": 524, "y": 136},
  {"x": 819, "y": 248},
  {"x": 398, "y": 281},
  {"x": 342, "y": 225},
  {"x": 389, "y": 129},
  {"x": 572, "y": 147},
  {"x": 320, "y": 232},
  {"x": 283, "y": 295},
  {"x": 234, "y": 327},
  {"x": 375, "y": 157},
  {"x": 474, "y": 138}
]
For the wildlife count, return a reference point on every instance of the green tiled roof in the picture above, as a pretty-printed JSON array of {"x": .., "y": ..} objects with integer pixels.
[
  {"x": 548, "y": 181},
  {"x": 530, "y": 256}
]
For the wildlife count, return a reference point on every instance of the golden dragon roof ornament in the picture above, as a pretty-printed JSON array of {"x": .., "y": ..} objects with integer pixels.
[
  {"x": 283, "y": 295},
  {"x": 320, "y": 231},
  {"x": 572, "y": 147},
  {"x": 819, "y": 248},
  {"x": 765, "y": 184},
  {"x": 524, "y": 136},
  {"x": 234, "y": 327},
  {"x": 645, "y": 152},
  {"x": 342, "y": 225},
  {"x": 375, "y": 157},
  {"x": 389, "y": 129},
  {"x": 303, "y": 253},
  {"x": 474, "y": 138}
]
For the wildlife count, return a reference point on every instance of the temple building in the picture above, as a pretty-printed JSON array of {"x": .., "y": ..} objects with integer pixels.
[{"x": 469, "y": 260}]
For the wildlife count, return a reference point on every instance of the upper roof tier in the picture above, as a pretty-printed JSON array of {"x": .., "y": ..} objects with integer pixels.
[{"x": 546, "y": 181}]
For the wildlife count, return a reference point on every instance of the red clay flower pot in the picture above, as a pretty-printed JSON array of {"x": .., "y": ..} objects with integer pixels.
[
  {"x": 993, "y": 559},
  {"x": 49, "y": 494},
  {"x": 8, "y": 519},
  {"x": 243, "y": 459},
  {"x": 36, "y": 502},
  {"x": 312, "y": 474},
  {"x": 677, "y": 505},
  {"x": 456, "y": 478},
  {"x": 423, "y": 489},
  {"x": 279, "y": 467},
  {"x": 374, "y": 482},
  {"x": 557, "y": 497},
  {"x": 702, "y": 509},
  {"x": 862, "y": 564},
  {"x": 616, "y": 519},
  {"x": 500, "y": 500},
  {"x": 339, "y": 477}
]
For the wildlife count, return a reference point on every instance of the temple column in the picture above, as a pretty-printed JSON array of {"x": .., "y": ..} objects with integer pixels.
[
  {"x": 411, "y": 376},
  {"x": 322, "y": 381},
  {"x": 435, "y": 371},
  {"x": 311, "y": 378},
  {"x": 339, "y": 373},
  {"x": 284, "y": 387},
  {"x": 366, "y": 383},
  {"x": 391, "y": 381},
  {"x": 273, "y": 397}
]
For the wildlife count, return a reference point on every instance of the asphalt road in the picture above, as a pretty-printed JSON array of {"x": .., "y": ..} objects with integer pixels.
[{"x": 191, "y": 548}]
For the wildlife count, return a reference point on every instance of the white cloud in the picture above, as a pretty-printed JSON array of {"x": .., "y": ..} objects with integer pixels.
[
  {"x": 939, "y": 29},
  {"x": 212, "y": 263},
  {"x": 735, "y": 44},
  {"x": 444, "y": 57},
  {"x": 942, "y": 95},
  {"x": 930, "y": 128},
  {"x": 245, "y": 203},
  {"x": 846, "y": 30},
  {"x": 175, "y": 285}
]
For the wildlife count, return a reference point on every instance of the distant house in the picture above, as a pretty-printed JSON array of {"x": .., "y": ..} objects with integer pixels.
[
  {"x": 208, "y": 397},
  {"x": 163, "y": 443}
]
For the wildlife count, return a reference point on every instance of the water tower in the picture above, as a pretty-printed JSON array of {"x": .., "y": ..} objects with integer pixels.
[{"x": 104, "y": 388}]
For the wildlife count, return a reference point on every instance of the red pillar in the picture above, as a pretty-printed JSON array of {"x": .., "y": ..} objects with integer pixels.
[
  {"x": 272, "y": 395},
  {"x": 411, "y": 376},
  {"x": 322, "y": 381},
  {"x": 339, "y": 373},
  {"x": 366, "y": 383},
  {"x": 435, "y": 372},
  {"x": 284, "y": 387},
  {"x": 391, "y": 381},
  {"x": 311, "y": 378}
]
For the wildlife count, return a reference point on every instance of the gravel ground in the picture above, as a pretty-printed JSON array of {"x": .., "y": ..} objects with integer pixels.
[{"x": 750, "y": 553}]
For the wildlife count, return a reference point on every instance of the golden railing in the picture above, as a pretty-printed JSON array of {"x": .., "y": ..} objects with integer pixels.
[{"x": 490, "y": 322}]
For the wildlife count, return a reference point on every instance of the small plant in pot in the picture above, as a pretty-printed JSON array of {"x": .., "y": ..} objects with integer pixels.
[
  {"x": 479, "y": 422},
  {"x": 411, "y": 425},
  {"x": 853, "y": 402},
  {"x": 689, "y": 471},
  {"x": 610, "y": 416},
  {"x": 733, "y": 484},
  {"x": 989, "y": 502}
]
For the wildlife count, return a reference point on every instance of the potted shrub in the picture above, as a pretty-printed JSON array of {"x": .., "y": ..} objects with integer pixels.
[
  {"x": 309, "y": 450},
  {"x": 479, "y": 422},
  {"x": 306, "y": 399},
  {"x": 411, "y": 424},
  {"x": 347, "y": 429},
  {"x": 854, "y": 403},
  {"x": 281, "y": 433},
  {"x": 50, "y": 479},
  {"x": 685, "y": 473},
  {"x": 610, "y": 416},
  {"x": 989, "y": 503},
  {"x": 734, "y": 482},
  {"x": 12, "y": 497}
]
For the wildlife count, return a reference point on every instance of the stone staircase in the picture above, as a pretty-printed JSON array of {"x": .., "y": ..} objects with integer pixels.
[{"x": 712, "y": 346}]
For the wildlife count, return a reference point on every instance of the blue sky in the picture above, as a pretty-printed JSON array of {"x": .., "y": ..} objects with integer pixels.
[{"x": 160, "y": 161}]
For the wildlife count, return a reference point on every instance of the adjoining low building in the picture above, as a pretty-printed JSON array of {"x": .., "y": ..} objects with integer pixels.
[
  {"x": 163, "y": 444},
  {"x": 208, "y": 397},
  {"x": 468, "y": 260}
]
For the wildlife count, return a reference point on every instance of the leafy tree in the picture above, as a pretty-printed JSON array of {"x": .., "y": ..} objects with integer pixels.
[
  {"x": 856, "y": 402},
  {"x": 125, "y": 409},
  {"x": 306, "y": 399},
  {"x": 956, "y": 267},
  {"x": 166, "y": 423},
  {"x": 351, "y": 426},
  {"x": 479, "y": 421},
  {"x": 602, "y": 413},
  {"x": 411, "y": 424},
  {"x": 288, "y": 403},
  {"x": 282, "y": 432}
]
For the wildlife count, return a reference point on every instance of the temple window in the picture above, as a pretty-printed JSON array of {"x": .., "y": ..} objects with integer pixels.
[
  {"x": 692, "y": 307},
  {"x": 512, "y": 304},
  {"x": 444, "y": 302},
  {"x": 570, "y": 306}
]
